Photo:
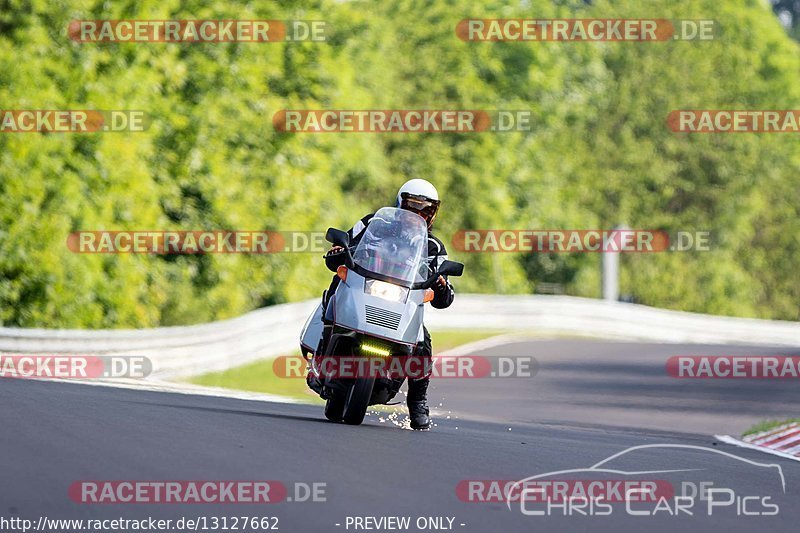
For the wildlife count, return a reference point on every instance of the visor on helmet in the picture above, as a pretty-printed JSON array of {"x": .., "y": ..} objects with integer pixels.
[{"x": 424, "y": 207}]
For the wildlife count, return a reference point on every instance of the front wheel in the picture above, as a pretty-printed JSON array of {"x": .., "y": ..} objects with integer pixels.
[{"x": 357, "y": 401}]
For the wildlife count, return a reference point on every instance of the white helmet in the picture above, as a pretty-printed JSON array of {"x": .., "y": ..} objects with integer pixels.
[{"x": 420, "y": 197}]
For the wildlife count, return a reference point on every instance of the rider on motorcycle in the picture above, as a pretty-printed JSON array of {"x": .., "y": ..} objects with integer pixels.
[{"x": 418, "y": 196}]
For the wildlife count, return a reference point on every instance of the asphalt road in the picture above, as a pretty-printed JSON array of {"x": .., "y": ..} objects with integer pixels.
[
  {"x": 54, "y": 434},
  {"x": 603, "y": 383}
]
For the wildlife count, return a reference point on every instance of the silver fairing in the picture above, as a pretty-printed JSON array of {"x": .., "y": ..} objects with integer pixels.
[
  {"x": 312, "y": 331},
  {"x": 353, "y": 309},
  {"x": 349, "y": 309}
]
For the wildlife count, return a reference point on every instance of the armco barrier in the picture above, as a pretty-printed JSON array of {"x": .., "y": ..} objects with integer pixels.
[
  {"x": 178, "y": 351},
  {"x": 187, "y": 350},
  {"x": 616, "y": 320}
]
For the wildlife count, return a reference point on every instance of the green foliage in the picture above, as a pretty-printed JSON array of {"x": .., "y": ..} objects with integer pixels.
[
  {"x": 767, "y": 425},
  {"x": 599, "y": 154}
]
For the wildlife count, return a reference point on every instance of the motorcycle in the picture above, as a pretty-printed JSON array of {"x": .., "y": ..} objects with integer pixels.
[{"x": 376, "y": 314}]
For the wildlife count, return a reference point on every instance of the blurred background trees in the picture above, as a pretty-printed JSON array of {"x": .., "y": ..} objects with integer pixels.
[{"x": 599, "y": 154}]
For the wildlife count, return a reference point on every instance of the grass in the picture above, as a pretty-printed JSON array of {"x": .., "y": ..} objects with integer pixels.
[
  {"x": 446, "y": 340},
  {"x": 260, "y": 375},
  {"x": 766, "y": 425}
]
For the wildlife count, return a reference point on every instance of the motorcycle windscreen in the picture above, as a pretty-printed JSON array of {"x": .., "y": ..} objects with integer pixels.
[{"x": 394, "y": 246}]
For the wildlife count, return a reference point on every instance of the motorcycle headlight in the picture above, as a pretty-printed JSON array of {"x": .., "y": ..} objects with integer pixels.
[{"x": 387, "y": 291}]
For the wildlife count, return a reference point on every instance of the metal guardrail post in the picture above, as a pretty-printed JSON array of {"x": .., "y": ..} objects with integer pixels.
[{"x": 610, "y": 271}]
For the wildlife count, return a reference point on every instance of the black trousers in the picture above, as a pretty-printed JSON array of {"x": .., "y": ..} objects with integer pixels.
[{"x": 425, "y": 348}]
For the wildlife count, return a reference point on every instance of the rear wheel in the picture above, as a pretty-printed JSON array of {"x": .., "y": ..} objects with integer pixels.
[{"x": 358, "y": 400}]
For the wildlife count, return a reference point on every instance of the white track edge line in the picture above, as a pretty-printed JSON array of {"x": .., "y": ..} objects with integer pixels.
[{"x": 183, "y": 388}]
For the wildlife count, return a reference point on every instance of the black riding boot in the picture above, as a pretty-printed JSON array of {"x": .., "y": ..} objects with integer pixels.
[{"x": 418, "y": 403}]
